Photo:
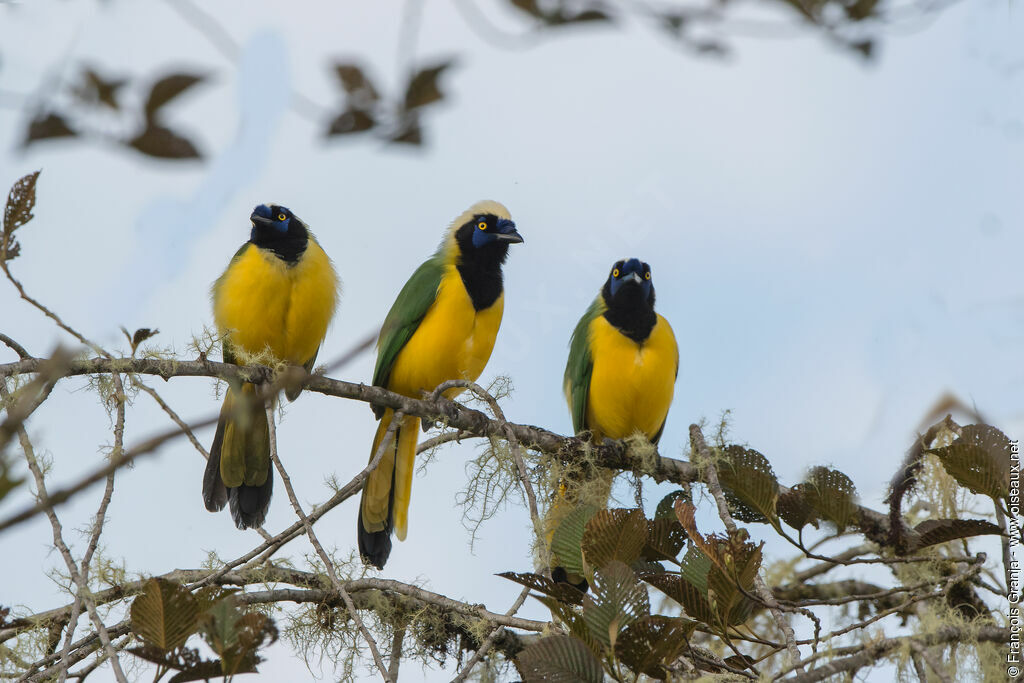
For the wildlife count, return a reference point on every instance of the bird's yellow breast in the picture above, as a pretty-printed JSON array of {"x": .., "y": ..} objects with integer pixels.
[
  {"x": 262, "y": 303},
  {"x": 631, "y": 384},
  {"x": 453, "y": 341}
]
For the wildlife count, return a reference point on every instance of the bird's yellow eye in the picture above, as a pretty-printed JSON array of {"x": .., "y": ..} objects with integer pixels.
[
  {"x": 281, "y": 217},
  {"x": 615, "y": 273},
  {"x": 647, "y": 275},
  {"x": 482, "y": 225}
]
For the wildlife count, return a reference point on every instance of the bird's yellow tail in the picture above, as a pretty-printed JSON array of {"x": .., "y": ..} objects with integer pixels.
[
  {"x": 238, "y": 471},
  {"x": 385, "y": 503}
]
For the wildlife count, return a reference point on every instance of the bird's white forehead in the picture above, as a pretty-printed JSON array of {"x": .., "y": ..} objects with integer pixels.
[
  {"x": 487, "y": 206},
  {"x": 490, "y": 206}
]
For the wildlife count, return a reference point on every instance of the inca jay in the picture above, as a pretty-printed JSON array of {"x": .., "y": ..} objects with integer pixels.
[
  {"x": 623, "y": 360},
  {"x": 277, "y": 297},
  {"x": 442, "y": 326},
  {"x": 620, "y": 376}
]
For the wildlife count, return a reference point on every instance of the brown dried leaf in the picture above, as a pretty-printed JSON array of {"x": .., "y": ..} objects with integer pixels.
[
  {"x": 97, "y": 89},
  {"x": 48, "y": 126},
  {"x": 560, "y": 591},
  {"x": 559, "y": 659},
  {"x": 665, "y": 538},
  {"x": 794, "y": 509},
  {"x": 614, "y": 535},
  {"x": 355, "y": 81},
  {"x": 17, "y": 212},
  {"x": 164, "y": 615},
  {"x": 423, "y": 89},
  {"x": 163, "y": 143},
  {"x": 935, "y": 531},
  {"x": 351, "y": 121},
  {"x": 166, "y": 89}
]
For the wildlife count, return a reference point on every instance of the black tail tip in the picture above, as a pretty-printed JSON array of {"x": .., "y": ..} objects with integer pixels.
[
  {"x": 215, "y": 495},
  {"x": 249, "y": 504},
  {"x": 374, "y": 546}
]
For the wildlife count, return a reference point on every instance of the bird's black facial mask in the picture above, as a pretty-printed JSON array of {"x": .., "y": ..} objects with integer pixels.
[
  {"x": 276, "y": 228},
  {"x": 490, "y": 229},
  {"x": 629, "y": 299},
  {"x": 631, "y": 273},
  {"x": 483, "y": 246}
]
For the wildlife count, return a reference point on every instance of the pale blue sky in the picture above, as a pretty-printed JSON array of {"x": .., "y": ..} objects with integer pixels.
[{"x": 836, "y": 243}]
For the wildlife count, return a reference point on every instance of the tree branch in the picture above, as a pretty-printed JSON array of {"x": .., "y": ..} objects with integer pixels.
[{"x": 615, "y": 455}]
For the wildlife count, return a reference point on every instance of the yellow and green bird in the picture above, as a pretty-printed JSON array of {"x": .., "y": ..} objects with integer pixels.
[
  {"x": 442, "y": 326},
  {"x": 623, "y": 360},
  {"x": 619, "y": 379},
  {"x": 276, "y": 297}
]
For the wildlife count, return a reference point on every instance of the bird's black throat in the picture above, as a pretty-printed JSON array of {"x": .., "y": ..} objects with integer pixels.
[
  {"x": 287, "y": 246},
  {"x": 480, "y": 268},
  {"x": 629, "y": 311}
]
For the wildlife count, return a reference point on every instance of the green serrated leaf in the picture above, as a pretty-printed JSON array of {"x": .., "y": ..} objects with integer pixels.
[
  {"x": 614, "y": 535},
  {"x": 732, "y": 585},
  {"x": 567, "y": 540},
  {"x": 651, "y": 644},
  {"x": 694, "y": 568},
  {"x": 666, "y": 506},
  {"x": 935, "y": 531},
  {"x": 559, "y": 659},
  {"x": 979, "y": 460},
  {"x": 692, "y": 599},
  {"x": 832, "y": 495},
  {"x": 203, "y": 671},
  {"x": 219, "y": 625},
  {"x": 794, "y": 510},
  {"x": 642, "y": 566},
  {"x": 748, "y": 479},
  {"x": 154, "y": 654},
  {"x": 560, "y": 591},
  {"x": 572, "y": 618},
  {"x": 164, "y": 615},
  {"x": 665, "y": 538},
  {"x": 616, "y": 601}
]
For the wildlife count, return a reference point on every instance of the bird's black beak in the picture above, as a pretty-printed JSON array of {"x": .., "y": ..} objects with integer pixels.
[
  {"x": 261, "y": 215},
  {"x": 635, "y": 277},
  {"x": 507, "y": 232}
]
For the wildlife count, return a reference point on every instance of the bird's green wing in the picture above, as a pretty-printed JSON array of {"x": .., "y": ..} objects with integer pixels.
[
  {"x": 579, "y": 367},
  {"x": 402, "y": 321}
]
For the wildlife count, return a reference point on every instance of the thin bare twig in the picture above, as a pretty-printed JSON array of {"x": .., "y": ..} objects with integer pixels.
[
  {"x": 58, "y": 542},
  {"x": 513, "y": 441},
  {"x": 491, "y": 638},
  {"x": 15, "y": 346},
  {"x": 97, "y": 526},
  {"x": 328, "y": 563},
  {"x": 182, "y": 425}
]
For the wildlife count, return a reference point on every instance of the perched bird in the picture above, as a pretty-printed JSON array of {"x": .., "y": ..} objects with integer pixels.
[
  {"x": 442, "y": 326},
  {"x": 276, "y": 297},
  {"x": 619, "y": 379},
  {"x": 623, "y": 360}
]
